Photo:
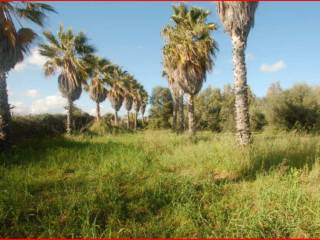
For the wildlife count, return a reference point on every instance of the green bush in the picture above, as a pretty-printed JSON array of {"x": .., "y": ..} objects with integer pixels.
[{"x": 44, "y": 125}]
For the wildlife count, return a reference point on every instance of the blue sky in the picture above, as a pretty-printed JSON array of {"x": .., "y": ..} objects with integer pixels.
[{"x": 283, "y": 46}]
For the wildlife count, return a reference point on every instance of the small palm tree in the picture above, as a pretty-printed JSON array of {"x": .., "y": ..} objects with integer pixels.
[
  {"x": 97, "y": 69},
  {"x": 14, "y": 45},
  {"x": 238, "y": 19},
  {"x": 189, "y": 50},
  {"x": 66, "y": 53}
]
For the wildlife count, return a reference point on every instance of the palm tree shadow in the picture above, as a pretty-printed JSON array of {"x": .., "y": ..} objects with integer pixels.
[{"x": 37, "y": 150}]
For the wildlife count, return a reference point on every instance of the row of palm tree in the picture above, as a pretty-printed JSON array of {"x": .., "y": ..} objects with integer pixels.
[
  {"x": 188, "y": 56},
  {"x": 70, "y": 55},
  {"x": 78, "y": 67},
  {"x": 189, "y": 51}
]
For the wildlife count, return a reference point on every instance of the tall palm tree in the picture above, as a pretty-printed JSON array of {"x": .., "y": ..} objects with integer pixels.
[
  {"x": 189, "y": 50},
  {"x": 128, "y": 86},
  {"x": 14, "y": 45},
  {"x": 177, "y": 93},
  {"x": 66, "y": 54},
  {"x": 97, "y": 68},
  {"x": 115, "y": 94},
  {"x": 137, "y": 99},
  {"x": 238, "y": 19},
  {"x": 144, "y": 102}
]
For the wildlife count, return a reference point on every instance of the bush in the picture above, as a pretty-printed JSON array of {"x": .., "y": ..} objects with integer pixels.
[{"x": 44, "y": 125}]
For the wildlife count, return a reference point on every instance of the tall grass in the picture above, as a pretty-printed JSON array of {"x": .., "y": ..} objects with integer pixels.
[{"x": 158, "y": 184}]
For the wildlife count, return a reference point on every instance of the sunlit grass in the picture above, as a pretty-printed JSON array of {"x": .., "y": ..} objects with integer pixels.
[{"x": 158, "y": 184}]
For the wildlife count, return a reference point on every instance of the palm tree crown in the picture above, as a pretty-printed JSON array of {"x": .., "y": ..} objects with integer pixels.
[
  {"x": 189, "y": 48},
  {"x": 189, "y": 51},
  {"x": 237, "y": 17},
  {"x": 15, "y": 43}
]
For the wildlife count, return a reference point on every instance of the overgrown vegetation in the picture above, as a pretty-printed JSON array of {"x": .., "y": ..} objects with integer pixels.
[
  {"x": 296, "y": 108},
  {"x": 158, "y": 184}
]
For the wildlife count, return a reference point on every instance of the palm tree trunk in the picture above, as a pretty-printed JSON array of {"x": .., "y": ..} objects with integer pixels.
[
  {"x": 192, "y": 129},
  {"x": 135, "y": 120},
  {"x": 69, "y": 116},
  {"x": 5, "y": 116},
  {"x": 98, "y": 111},
  {"x": 181, "y": 112},
  {"x": 142, "y": 118},
  {"x": 115, "y": 117},
  {"x": 174, "y": 114},
  {"x": 241, "y": 91},
  {"x": 128, "y": 119}
]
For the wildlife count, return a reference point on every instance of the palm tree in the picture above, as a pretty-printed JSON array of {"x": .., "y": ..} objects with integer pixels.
[
  {"x": 189, "y": 50},
  {"x": 128, "y": 86},
  {"x": 66, "y": 53},
  {"x": 128, "y": 101},
  {"x": 115, "y": 94},
  {"x": 14, "y": 45},
  {"x": 175, "y": 90},
  {"x": 144, "y": 102},
  {"x": 97, "y": 68},
  {"x": 238, "y": 19},
  {"x": 137, "y": 99},
  {"x": 177, "y": 93}
]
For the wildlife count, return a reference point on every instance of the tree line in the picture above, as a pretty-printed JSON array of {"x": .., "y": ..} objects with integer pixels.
[{"x": 293, "y": 109}]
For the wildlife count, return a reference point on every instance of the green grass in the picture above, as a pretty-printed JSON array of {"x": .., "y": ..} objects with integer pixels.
[{"x": 158, "y": 184}]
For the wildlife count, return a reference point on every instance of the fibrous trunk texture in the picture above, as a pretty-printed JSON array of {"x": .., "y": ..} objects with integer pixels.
[
  {"x": 175, "y": 113},
  {"x": 128, "y": 119},
  {"x": 241, "y": 91},
  {"x": 5, "y": 116},
  {"x": 191, "y": 115},
  {"x": 98, "y": 111},
  {"x": 135, "y": 120},
  {"x": 69, "y": 116},
  {"x": 180, "y": 113},
  {"x": 115, "y": 117}
]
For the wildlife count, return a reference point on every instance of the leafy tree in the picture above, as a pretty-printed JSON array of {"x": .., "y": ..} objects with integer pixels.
[
  {"x": 209, "y": 104},
  {"x": 161, "y": 108},
  {"x": 296, "y": 108}
]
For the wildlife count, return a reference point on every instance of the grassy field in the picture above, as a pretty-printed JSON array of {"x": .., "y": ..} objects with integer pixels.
[{"x": 158, "y": 184}]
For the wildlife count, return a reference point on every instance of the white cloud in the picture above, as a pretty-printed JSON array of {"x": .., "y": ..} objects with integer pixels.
[
  {"x": 19, "y": 108},
  {"x": 49, "y": 104},
  {"x": 20, "y": 66},
  {"x": 275, "y": 67},
  {"x": 32, "y": 93},
  {"x": 34, "y": 59}
]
